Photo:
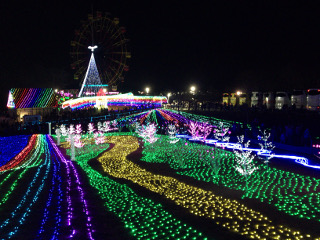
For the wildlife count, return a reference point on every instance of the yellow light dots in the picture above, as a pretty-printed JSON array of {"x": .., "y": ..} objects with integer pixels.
[{"x": 227, "y": 212}]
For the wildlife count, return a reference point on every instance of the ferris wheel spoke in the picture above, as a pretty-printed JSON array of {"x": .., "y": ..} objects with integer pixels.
[
  {"x": 118, "y": 62},
  {"x": 124, "y": 41},
  {"x": 76, "y": 43}
]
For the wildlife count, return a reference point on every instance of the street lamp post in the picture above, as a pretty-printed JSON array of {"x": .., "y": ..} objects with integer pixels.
[
  {"x": 147, "y": 90},
  {"x": 193, "y": 91},
  {"x": 169, "y": 94}
]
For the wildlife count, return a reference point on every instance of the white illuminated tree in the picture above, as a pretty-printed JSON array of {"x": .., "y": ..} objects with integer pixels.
[
  {"x": 58, "y": 133},
  {"x": 221, "y": 133},
  {"x": 150, "y": 133},
  {"x": 114, "y": 124},
  {"x": 63, "y": 130},
  {"x": 91, "y": 128},
  {"x": 172, "y": 131},
  {"x": 99, "y": 126},
  {"x": 106, "y": 126},
  {"x": 244, "y": 159},
  {"x": 71, "y": 129},
  {"x": 139, "y": 129},
  {"x": 78, "y": 129},
  {"x": 266, "y": 147}
]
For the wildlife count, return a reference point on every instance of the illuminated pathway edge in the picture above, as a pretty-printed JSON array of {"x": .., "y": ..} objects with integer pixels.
[
  {"x": 281, "y": 189},
  {"x": 225, "y": 212},
  {"x": 142, "y": 217},
  {"x": 42, "y": 195}
]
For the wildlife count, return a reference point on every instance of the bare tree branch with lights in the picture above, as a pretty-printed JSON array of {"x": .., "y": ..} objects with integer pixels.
[
  {"x": 91, "y": 128},
  {"x": 194, "y": 129},
  {"x": 221, "y": 133},
  {"x": 266, "y": 147},
  {"x": 172, "y": 131},
  {"x": 244, "y": 159}
]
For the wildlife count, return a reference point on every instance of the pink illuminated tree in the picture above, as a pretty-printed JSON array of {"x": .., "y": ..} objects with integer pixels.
[
  {"x": 99, "y": 138},
  {"x": 77, "y": 141},
  {"x": 91, "y": 128},
  {"x": 78, "y": 129},
  {"x": 149, "y": 133},
  {"x": 204, "y": 129},
  {"x": 194, "y": 129}
]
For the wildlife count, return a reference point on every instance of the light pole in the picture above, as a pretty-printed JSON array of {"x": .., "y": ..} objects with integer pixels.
[
  {"x": 193, "y": 91},
  {"x": 169, "y": 95},
  {"x": 147, "y": 90}
]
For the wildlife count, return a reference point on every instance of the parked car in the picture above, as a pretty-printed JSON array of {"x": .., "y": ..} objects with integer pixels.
[
  {"x": 299, "y": 98},
  {"x": 282, "y": 100},
  {"x": 313, "y": 99}
]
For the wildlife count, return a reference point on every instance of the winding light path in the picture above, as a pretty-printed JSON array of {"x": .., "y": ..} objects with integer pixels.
[{"x": 225, "y": 212}]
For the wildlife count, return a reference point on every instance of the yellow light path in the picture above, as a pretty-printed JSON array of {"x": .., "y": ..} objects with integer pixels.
[{"x": 228, "y": 213}]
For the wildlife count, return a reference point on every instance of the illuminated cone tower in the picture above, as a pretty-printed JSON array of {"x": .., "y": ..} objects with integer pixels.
[{"x": 91, "y": 83}]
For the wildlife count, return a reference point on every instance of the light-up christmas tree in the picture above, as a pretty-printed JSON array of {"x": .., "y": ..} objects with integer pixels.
[{"x": 91, "y": 83}]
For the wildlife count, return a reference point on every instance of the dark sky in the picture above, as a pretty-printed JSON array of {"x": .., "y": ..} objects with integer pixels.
[{"x": 223, "y": 45}]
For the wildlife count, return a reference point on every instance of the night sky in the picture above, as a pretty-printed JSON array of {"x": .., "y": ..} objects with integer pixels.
[{"x": 216, "y": 45}]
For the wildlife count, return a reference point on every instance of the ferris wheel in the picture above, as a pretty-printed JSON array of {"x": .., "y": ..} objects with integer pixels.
[{"x": 111, "y": 55}]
